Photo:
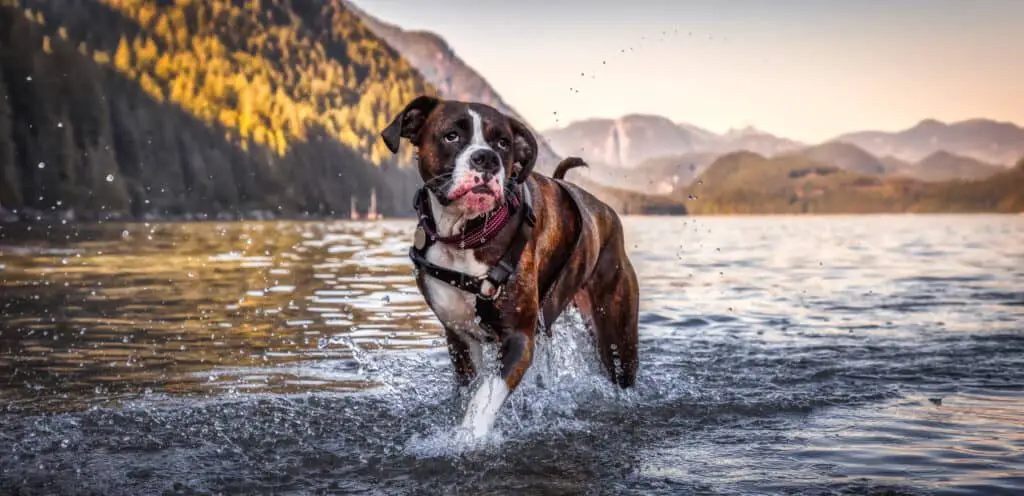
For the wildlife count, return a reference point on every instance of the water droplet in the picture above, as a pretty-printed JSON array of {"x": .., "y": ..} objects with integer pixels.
[{"x": 110, "y": 178}]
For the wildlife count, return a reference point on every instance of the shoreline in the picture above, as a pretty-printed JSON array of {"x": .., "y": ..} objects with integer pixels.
[{"x": 8, "y": 224}]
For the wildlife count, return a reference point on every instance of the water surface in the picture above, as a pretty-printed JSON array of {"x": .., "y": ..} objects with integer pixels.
[{"x": 779, "y": 355}]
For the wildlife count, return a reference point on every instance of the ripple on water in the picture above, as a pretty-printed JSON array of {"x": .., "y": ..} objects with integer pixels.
[{"x": 299, "y": 357}]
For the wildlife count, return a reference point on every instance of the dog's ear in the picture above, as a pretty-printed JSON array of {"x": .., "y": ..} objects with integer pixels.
[
  {"x": 524, "y": 149},
  {"x": 409, "y": 121}
]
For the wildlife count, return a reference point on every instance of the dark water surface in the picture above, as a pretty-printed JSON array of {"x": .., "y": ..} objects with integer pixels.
[{"x": 780, "y": 355}]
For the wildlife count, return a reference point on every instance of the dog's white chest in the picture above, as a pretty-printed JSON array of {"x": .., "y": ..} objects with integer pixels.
[{"x": 455, "y": 308}]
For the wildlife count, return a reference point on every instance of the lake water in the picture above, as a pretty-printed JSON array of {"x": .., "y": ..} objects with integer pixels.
[{"x": 823, "y": 355}]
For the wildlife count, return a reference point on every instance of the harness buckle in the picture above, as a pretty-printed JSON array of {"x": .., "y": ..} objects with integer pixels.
[{"x": 497, "y": 289}]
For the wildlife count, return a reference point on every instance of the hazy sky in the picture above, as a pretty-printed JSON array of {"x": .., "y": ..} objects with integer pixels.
[{"x": 807, "y": 69}]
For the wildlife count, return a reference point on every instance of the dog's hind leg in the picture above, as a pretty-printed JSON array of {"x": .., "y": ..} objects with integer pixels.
[{"x": 612, "y": 297}]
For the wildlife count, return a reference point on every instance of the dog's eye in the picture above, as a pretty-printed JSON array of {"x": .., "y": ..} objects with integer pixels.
[
  {"x": 451, "y": 137},
  {"x": 503, "y": 144}
]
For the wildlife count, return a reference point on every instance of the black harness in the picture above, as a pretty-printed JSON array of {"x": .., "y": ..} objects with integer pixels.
[{"x": 498, "y": 275}]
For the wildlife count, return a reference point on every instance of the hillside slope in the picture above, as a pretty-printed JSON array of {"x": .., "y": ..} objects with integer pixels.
[
  {"x": 445, "y": 70},
  {"x": 748, "y": 183},
  {"x": 945, "y": 166},
  {"x": 151, "y": 108},
  {"x": 845, "y": 156}
]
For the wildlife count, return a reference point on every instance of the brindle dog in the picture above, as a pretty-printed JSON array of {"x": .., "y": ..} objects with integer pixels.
[{"x": 565, "y": 246}]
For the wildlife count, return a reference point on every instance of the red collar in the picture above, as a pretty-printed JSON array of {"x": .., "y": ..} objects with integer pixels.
[{"x": 476, "y": 233}]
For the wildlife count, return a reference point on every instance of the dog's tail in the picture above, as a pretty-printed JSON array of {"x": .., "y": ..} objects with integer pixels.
[{"x": 568, "y": 164}]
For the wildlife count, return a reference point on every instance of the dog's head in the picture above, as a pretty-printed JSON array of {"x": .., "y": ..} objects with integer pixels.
[{"x": 466, "y": 151}]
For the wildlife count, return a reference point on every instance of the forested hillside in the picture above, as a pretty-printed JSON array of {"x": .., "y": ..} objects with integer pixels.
[
  {"x": 748, "y": 183},
  {"x": 153, "y": 108}
]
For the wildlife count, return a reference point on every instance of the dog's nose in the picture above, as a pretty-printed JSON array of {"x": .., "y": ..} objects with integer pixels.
[{"x": 486, "y": 162}]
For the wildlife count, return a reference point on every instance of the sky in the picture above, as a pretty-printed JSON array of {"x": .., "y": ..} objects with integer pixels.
[{"x": 807, "y": 70}]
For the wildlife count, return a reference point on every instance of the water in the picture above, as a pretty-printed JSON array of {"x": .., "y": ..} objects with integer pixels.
[{"x": 779, "y": 355}]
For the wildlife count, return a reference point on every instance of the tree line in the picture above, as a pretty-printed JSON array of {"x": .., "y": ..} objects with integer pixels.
[{"x": 142, "y": 107}]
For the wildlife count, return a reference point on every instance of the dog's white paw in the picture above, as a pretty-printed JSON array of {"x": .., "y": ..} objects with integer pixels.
[{"x": 482, "y": 411}]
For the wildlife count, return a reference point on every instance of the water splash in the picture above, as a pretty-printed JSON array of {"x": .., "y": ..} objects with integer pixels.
[{"x": 565, "y": 378}]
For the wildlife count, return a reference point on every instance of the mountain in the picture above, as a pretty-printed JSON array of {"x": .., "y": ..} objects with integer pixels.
[
  {"x": 749, "y": 183},
  {"x": 939, "y": 166},
  {"x": 1003, "y": 192},
  {"x": 845, "y": 156},
  {"x": 989, "y": 141},
  {"x": 894, "y": 165},
  {"x": 623, "y": 142},
  {"x": 754, "y": 140},
  {"x": 632, "y": 139},
  {"x": 700, "y": 134},
  {"x": 146, "y": 108},
  {"x": 945, "y": 166},
  {"x": 661, "y": 175},
  {"x": 453, "y": 78}
]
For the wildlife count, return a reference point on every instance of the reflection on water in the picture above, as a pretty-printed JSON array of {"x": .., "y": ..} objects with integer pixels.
[
  {"x": 124, "y": 309},
  {"x": 780, "y": 355}
]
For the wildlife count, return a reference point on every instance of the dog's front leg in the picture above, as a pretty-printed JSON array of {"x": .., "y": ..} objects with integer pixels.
[{"x": 515, "y": 356}]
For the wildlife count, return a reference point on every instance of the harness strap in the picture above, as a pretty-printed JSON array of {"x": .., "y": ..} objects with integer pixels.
[
  {"x": 497, "y": 275},
  {"x": 460, "y": 280}
]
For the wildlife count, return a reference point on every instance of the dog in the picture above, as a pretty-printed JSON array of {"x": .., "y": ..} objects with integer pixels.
[{"x": 501, "y": 251}]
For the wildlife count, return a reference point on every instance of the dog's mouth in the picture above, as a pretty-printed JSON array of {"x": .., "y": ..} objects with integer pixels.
[{"x": 485, "y": 189}]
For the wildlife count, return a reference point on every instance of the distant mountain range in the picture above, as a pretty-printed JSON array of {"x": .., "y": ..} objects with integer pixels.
[
  {"x": 652, "y": 153},
  {"x": 993, "y": 142},
  {"x": 630, "y": 140}
]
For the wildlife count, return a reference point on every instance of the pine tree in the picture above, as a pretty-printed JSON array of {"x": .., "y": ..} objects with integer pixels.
[{"x": 10, "y": 179}]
